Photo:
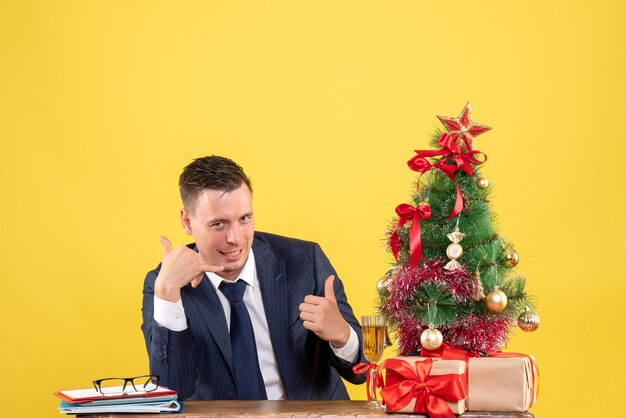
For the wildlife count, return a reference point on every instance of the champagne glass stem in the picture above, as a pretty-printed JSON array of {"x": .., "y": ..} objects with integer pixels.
[
  {"x": 373, "y": 384},
  {"x": 373, "y": 403}
]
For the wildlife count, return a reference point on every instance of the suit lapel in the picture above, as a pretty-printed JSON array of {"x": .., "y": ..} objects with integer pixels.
[
  {"x": 210, "y": 310},
  {"x": 271, "y": 274}
]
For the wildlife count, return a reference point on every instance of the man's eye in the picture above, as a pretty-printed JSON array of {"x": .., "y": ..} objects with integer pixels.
[
  {"x": 246, "y": 218},
  {"x": 217, "y": 225}
]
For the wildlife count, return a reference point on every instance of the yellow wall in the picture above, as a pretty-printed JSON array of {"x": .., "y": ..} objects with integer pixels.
[{"x": 103, "y": 102}]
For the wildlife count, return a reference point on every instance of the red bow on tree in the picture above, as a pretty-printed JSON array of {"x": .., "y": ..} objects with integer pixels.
[
  {"x": 408, "y": 213},
  {"x": 453, "y": 160}
]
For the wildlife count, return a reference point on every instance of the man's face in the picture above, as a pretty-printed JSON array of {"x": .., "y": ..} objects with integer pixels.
[{"x": 223, "y": 227}]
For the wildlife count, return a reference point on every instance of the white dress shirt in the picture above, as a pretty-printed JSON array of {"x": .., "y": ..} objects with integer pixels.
[{"x": 172, "y": 316}]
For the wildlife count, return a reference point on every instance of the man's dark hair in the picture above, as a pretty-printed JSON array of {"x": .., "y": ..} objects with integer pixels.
[{"x": 213, "y": 173}]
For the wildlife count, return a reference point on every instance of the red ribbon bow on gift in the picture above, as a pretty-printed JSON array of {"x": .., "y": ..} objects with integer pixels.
[
  {"x": 408, "y": 213},
  {"x": 430, "y": 392},
  {"x": 453, "y": 160},
  {"x": 449, "y": 352}
]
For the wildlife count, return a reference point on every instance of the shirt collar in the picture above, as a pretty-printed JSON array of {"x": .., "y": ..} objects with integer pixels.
[{"x": 248, "y": 273}]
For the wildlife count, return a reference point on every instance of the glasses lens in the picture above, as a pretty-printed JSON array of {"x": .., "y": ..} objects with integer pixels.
[
  {"x": 146, "y": 383},
  {"x": 114, "y": 386}
]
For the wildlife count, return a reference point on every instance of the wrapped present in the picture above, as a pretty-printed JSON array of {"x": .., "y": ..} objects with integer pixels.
[
  {"x": 421, "y": 385},
  {"x": 502, "y": 382}
]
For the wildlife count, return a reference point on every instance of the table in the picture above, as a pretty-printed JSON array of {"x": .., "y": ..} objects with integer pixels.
[{"x": 296, "y": 409}]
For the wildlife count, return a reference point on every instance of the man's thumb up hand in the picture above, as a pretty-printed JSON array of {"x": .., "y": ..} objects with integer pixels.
[{"x": 322, "y": 316}]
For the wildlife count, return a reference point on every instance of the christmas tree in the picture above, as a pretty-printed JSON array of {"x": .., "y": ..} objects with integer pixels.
[{"x": 454, "y": 278}]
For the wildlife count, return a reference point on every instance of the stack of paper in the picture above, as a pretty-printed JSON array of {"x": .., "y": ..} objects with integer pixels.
[{"x": 90, "y": 401}]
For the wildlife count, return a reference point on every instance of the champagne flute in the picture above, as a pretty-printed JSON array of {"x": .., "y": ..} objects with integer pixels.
[{"x": 373, "y": 327}]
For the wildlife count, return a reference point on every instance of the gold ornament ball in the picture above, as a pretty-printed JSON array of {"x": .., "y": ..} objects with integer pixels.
[
  {"x": 384, "y": 285},
  {"x": 528, "y": 321},
  {"x": 496, "y": 300},
  {"x": 431, "y": 339},
  {"x": 510, "y": 257},
  {"x": 482, "y": 183}
]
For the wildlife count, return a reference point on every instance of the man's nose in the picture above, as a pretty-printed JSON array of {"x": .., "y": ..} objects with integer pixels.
[{"x": 233, "y": 236}]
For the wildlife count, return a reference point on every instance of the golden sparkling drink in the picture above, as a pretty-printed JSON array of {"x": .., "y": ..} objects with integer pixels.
[{"x": 373, "y": 342}]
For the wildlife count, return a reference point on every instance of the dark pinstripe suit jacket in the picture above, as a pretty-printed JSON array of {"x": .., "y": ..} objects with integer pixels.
[{"x": 197, "y": 362}]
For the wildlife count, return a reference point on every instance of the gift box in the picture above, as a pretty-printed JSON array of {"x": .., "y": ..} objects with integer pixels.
[
  {"x": 423, "y": 385},
  {"x": 505, "y": 382}
]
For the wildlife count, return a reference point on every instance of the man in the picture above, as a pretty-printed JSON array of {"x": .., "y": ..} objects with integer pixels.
[{"x": 241, "y": 314}]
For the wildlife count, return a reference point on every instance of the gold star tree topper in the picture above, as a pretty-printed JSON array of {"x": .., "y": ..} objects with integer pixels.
[{"x": 463, "y": 129}]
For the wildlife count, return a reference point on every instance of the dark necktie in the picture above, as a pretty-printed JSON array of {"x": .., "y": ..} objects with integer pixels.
[{"x": 249, "y": 381}]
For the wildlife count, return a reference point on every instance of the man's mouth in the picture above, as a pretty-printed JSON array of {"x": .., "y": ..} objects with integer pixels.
[{"x": 233, "y": 253}]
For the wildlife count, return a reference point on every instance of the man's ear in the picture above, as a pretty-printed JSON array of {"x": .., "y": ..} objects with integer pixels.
[{"x": 185, "y": 220}]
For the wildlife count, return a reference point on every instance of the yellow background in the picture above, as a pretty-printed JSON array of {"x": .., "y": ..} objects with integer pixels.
[{"x": 102, "y": 103}]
